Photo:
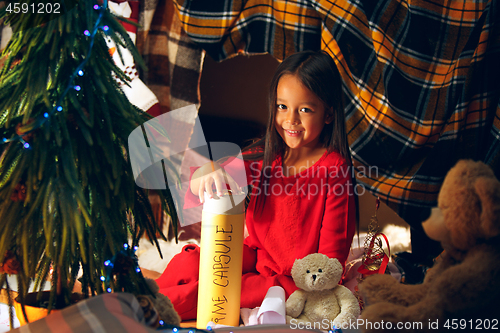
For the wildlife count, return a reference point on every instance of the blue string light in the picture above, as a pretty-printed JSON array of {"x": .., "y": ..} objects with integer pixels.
[
  {"x": 78, "y": 71},
  {"x": 335, "y": 330},
  {"x": 126, "y": 251},
  {"x": 130, "y": 252},
  {"x": 174, "y": 329}
]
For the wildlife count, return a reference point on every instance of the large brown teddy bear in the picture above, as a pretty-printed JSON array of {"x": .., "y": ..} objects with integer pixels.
[{"x": 462, "y": 289}]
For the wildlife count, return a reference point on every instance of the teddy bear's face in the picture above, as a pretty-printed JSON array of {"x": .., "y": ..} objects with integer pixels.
[
  {"x": 434, "y": 226},
  {"x": 316, "y": 272},
  {"x": 468, "y": 207}
]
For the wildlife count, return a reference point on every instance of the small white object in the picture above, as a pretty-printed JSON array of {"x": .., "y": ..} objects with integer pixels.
[
  {"x": 120, "y": 9},
  {"x": 273, "y": 309}
]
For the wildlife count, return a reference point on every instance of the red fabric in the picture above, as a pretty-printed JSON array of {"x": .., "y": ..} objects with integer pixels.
[
  {"x": 134, "y": 6},
  {"x": 179, "y": 281},
  {"x": 129, "y": 27},
  {"x": 311, "y": 212},
  {"x": 155, "y": 110}
]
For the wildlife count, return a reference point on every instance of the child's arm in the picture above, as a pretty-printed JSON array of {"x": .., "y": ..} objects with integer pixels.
[{"x": 339, "y": 220}]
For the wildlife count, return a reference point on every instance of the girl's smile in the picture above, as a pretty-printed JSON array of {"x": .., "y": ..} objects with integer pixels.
[
  {"x": 300, "y": 114},
  {"x": 293, "y": 133}
]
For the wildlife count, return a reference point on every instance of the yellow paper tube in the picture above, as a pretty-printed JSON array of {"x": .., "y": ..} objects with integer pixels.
[{"x": 221, "y": 254}]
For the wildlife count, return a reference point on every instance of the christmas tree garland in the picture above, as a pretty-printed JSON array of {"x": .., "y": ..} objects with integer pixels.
[{"x": 68, "y": 196}]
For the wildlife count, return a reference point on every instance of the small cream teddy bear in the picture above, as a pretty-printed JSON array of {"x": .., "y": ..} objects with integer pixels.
[{"x": 320, "y": 298}]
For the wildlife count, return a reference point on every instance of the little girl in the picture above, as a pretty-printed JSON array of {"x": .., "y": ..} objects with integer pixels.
[{"x": 301, "y": 198}]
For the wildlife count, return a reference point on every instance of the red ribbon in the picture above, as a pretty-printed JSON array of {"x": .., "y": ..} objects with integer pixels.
[{"x": 385, "y": 258}]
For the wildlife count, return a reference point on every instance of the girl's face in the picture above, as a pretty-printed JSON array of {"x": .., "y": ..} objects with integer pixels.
[{"x": 300, "y": 114}]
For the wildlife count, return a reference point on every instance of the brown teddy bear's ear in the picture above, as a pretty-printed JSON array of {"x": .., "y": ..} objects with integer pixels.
[
  {"x": 334, "y": 261},
  {"x": 295, "y": 267},
  {"x": 488, "y": 191}
]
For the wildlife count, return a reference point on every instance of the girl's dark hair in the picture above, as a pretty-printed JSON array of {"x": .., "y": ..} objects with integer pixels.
[{"x": 317, "y": 72}]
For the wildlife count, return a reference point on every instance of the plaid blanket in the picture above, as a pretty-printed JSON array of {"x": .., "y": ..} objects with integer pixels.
[
  {"x": 117, "y": 312},
  {"x": 121, "y": 313},
  {"x": 173, "y": 60},
  {"x": 420, "y": 78}
]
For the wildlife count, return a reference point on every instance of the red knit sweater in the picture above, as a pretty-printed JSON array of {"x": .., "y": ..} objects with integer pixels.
[{"x": 312, "y": 211}]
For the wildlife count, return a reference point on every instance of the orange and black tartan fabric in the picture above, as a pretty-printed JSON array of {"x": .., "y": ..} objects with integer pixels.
[
  {"x": 421, "y": 78},
  {"x": 173, "y": 60}
]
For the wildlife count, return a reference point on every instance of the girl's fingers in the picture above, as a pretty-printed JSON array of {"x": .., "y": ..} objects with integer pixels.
[
  {"x": 201, "y": 189},
  {"x": 219, "y": 178},
  {"x": 209, "y": 186},
  {"x": 205, "y": 186},
  {"x": 234, "y": 186},
  {"x": 218, "y": 183}
]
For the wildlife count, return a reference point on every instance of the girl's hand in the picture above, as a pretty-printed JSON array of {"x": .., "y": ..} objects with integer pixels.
[{"x": 209, "y": 174}]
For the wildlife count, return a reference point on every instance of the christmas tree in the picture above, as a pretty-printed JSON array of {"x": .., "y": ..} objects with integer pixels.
[{"x": 68, "y": 200}]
